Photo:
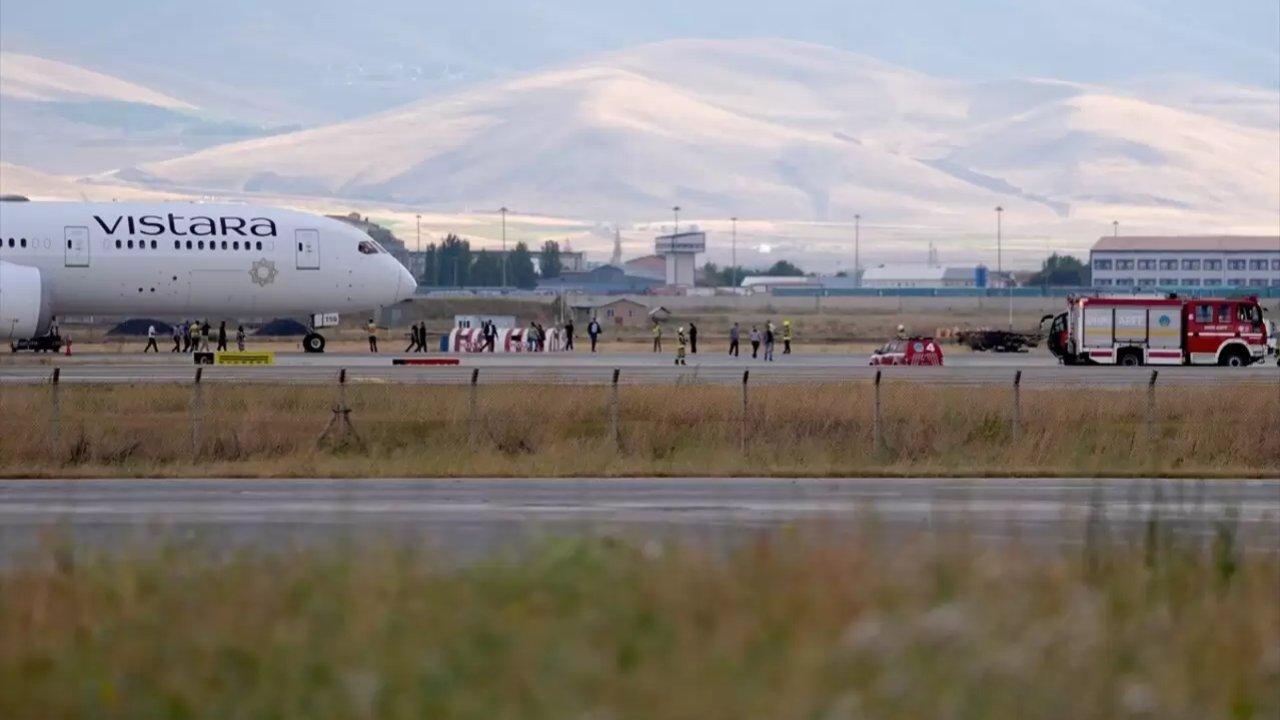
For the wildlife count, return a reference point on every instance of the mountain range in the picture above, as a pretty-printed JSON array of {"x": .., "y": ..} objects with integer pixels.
[{"x": 765, "y": 129}]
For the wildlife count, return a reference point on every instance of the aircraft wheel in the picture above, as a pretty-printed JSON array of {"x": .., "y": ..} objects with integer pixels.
[{"x": 313, "y": 343}]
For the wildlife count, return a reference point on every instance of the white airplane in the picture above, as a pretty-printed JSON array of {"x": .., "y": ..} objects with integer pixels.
[{"x": 185, "y": 260}]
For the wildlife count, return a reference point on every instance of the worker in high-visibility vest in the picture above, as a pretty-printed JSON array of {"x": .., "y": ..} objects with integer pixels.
[
  {"x": 657, "y": 336},
  {"x": 681, "y": 340},
  {"x": 786, "y": 337},
  {"x": 373, "y": 335}
]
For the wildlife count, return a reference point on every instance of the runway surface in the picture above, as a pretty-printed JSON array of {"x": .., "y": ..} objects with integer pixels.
[
  {"x": 471, "y": 518},
  {"x": 961, "y": 368}
]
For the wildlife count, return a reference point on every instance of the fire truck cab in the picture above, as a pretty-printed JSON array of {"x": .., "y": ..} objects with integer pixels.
[{"x": 1164, "y": 330}]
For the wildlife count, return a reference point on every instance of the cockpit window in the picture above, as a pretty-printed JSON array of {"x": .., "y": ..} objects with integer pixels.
[{"x": 368, "y": 247}]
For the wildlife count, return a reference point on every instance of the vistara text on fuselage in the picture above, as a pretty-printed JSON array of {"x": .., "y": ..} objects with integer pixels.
[{"x": 177, "y": 259}]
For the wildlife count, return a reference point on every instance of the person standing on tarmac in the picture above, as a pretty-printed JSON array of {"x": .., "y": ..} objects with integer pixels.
[
  {"x": 193, "y": 336},
  {"x": 593, "y": 331},
  {"x": 151, "y": 340},
  {"x": 206, "y": 330},
  {"x": 786, "y": 337},
  {"x": 372, "y": 327},
  {"x": 755, "y": 342},
  {"x": 222, "y": 336},
  {"x": 657, "y": 336},
  {"x": 768, "y": 341},
  {"x": 735, "y": 334},
  {"x": 693, "y": 339},
  {"x": 568, "y": 335},
  {"x": 680, "y": 343},
  {"x": 422, "y": 336},
  {"x": 240, "y": 338}
]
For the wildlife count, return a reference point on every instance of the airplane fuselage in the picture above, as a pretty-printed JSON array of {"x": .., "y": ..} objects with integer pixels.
[{"x": 190, "y": 259}]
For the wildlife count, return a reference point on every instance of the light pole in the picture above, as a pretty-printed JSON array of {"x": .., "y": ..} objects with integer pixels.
[
  {"x": 676, "y": 210},
  {"x": 419, "y": 226},
  {"x": 999, "y": 240},
  {"x": 857, "y": 250},
  {"x": 503, "y": 210},
  {"x": 734, "y": 256},
  {"x": 1115, "y": 228},
  {"x": 1008, "y": 282}
]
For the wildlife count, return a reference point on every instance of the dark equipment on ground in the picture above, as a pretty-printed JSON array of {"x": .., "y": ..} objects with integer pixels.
[
  {"x": 1005, "y": 341},
  {"x": 138, "y": 327},
  {"x": 44, "y": 343}
]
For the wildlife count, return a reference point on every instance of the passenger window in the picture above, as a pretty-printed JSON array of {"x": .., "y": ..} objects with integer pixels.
[
  {"x": 1224, "y": 313},
  {"x": 1204, "y": 314},
  {"x": 153, "y": 244},
  {"x": 259, "y": 244},
  {"x": 119, "y": 244},
  {"x": 177, "y": 244},
  {"x": 224, "y": 244},
  {"x": 365, "y": 247},
  {"x": 200, "y": 245},
  {"x": 188, "y": 244},
  {"x": 1247, "y": 313},
  {"x": 235, "y": 245}
]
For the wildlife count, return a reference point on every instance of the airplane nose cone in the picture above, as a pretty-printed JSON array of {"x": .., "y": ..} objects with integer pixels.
[{"x": 406, "y": 286}]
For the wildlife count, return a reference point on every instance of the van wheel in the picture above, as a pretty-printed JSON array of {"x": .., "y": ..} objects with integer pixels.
[
  {"x": 1131, "y": 359},
  {"x": 313, "y": 343}
]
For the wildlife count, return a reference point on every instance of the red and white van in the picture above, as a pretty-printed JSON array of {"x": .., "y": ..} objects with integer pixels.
[{"x": 911, "y": 351}]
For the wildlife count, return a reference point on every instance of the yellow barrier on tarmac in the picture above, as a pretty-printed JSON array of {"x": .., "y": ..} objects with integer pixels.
[{"x": 245, "y": 358}]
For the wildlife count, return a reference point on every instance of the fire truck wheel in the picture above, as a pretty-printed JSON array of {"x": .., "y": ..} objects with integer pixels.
[
  {"x": 1131, "y": 359},
  {"x": 1234, "y": 358}
]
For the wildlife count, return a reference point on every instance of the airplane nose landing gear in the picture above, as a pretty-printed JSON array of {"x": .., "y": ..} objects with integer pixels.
[{"x": 313, "y": 342}]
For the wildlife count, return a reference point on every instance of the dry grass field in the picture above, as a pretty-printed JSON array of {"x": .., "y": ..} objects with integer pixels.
[
  {"x": 548, "y": 430},
  {"x": 939, "y": 627}
]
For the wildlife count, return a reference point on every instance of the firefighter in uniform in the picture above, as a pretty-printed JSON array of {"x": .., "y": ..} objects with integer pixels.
[
  {"x": 373, "y": 335},
  {"x": 657, "y": 336},
  {"x": 786, "y": 337},
  {"x": 681, "y": 340}
]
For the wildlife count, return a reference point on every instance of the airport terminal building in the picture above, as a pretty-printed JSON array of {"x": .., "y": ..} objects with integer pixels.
[{"x": 1223, "y": 261}]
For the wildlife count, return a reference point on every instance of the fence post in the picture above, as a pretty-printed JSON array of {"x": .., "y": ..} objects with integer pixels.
[
  {"x": 339, "y": 431},
  {"x": 877, "y": 433},
  {"x": 1152, "y": 435},
  {"x": 471, "y": 407},
  {"x": 742, "y": 434},
  {"x": 196, "y": 410},
  {"x": 613, "y": 412},
  {"x": 1017, "y": 405},
  {"x": 55, "y": 413}
]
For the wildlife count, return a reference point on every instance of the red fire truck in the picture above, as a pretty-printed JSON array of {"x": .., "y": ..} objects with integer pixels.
[{"x": 1159, "y": 330}]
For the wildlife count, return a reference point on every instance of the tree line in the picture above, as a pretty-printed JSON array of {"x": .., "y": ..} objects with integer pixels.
[
  {"x": 453, "y": 263},
  {"x": 729, "y": 276}
]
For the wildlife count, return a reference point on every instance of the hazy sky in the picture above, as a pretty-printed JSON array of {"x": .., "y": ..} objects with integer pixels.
[{"x": 342, "y": 57}]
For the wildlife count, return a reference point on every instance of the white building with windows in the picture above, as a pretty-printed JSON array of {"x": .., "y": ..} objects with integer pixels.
[{"x": 1217, "y": 261}]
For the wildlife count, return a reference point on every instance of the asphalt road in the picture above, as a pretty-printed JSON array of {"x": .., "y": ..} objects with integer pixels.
[
  {"x": 961, "y": 368},
  {"x": 465, "y": 519}
]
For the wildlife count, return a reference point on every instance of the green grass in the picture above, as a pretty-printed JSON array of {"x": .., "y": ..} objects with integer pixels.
[{"x": 934, "y": 627}]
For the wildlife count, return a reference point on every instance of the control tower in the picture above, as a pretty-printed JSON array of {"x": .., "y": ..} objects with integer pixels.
[{"x": 680, "y": 251}]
